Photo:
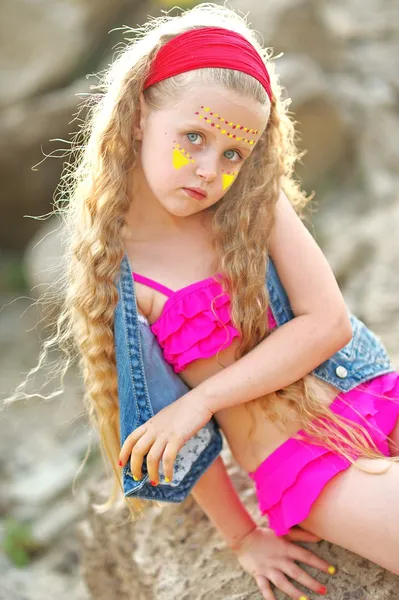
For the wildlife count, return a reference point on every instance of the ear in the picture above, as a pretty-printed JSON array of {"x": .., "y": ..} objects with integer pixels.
[{"x": 141, "y": 116}]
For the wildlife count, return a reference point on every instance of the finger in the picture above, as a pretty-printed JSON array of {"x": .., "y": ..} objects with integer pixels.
[
  {"x": 142, "y": 447},
  {"x": 283, "y": 584},
  {"x": 153, "y": 458},
  {"x": 129, "y": 442},
  {"x": 295, "y": 572},
  {"x": 264, "y": 587},
  {"x": 305, "y": 556},
  {"x": 297, "y": 534},
  {"x": 169, "y": 456}
]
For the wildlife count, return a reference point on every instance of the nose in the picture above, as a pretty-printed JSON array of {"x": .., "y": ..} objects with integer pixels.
[{"x": 207, "y": 171}]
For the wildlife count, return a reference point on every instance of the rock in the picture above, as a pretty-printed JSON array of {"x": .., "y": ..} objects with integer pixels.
[
  {"x": 29, "y": 31},
  {"x": 55, "y": 520},
  {"x": 318, "y": 118},
  {"x": 173, "y": 551},
  {"x": 55, "y": 574},
  {"x": 364, "y": 257},
  {"x": 379, "y": 156},
  {"x": 301, "y": 30},
  {"x": 28, "y": 179}
]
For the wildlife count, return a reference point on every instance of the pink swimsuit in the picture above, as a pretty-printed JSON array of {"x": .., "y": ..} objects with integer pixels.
[
  {"x": 292, "y": 477},
  {"x": 195, "y": 321}
]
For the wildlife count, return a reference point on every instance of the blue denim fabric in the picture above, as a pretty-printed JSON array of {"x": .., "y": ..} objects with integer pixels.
[{"x": 147, "y": 383}]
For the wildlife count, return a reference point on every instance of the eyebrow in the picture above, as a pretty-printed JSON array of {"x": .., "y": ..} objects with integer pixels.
[{"x": 197, "y": 125}]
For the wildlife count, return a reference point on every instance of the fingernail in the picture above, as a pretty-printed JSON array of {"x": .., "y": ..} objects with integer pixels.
[
  {"x": 153, "y": 483},
  {"x": 136, "y": 478},
  {"x": 167, "y": 479},
  {"x": 331, "y": 569},
  {"x": 323, "y": 590},
  {"x": 303, "y": 598},
  {"x": 120, "y": 463}
]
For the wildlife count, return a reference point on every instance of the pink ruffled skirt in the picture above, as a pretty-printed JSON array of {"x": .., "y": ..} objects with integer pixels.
[{"x": 291, "y": 478}]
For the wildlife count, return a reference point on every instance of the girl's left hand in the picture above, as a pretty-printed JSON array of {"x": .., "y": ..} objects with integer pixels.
[{"x": 162, "y": 436}]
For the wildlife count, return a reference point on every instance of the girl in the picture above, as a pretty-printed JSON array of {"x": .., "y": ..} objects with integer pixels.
[{"x": 186, "y": 177}]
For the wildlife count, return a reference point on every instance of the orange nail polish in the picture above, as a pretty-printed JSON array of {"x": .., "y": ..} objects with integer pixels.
[
  {"x": 120, "y": 463},
  {"x": 153, "y": 483}
]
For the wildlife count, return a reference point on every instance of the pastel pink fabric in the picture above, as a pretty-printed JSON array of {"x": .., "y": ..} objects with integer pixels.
[
  {"x": 195, "y": 321},
  {"x": 290, "y": 479}
]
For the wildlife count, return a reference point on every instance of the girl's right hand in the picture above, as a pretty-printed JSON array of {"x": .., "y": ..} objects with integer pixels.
[{"x": 270, "y": 559}]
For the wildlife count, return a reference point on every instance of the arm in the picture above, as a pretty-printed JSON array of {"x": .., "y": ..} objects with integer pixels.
[
  {"x": 260, "y": 552},
  {"x": 216, "y": 495},
  {"x": 321, "y": 325}
]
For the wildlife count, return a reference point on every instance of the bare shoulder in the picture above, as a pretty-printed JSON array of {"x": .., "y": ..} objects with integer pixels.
[
  {"x": 144, "y": 294},
  {"x": 302, "y": 267}
]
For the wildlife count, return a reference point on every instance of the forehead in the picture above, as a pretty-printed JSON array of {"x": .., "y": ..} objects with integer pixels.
[{"x": 223, "y": 104}]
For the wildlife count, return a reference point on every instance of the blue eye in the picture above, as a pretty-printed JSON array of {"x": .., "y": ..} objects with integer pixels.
[
  {"x": 238, "y": 154},
  {"x": 192, "y": 133},
  {"x": 195, "y": 134}
]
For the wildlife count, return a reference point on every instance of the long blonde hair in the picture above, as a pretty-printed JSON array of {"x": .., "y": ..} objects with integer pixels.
[{"x": 95, "y": 191}]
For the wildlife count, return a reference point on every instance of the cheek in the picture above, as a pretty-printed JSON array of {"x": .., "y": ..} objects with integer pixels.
[
  {"x": 157, "y": 159},
  {"x": 180, "y": 157},
  {"x": 228, "y": 178}
]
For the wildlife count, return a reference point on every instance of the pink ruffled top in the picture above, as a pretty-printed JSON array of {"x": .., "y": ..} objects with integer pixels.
[{"x": 195, "y": 321}]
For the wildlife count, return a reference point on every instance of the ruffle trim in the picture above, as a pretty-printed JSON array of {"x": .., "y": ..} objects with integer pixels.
[
  {"x": 296, "y": 501},
  {"x": 290, "y": 480},
  {"x": 191, "y": 329},
  {"x": 196, "y": 324}
]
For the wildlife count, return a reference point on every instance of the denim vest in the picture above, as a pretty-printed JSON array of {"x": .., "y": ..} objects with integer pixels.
[{"x": 147, "y": 383}]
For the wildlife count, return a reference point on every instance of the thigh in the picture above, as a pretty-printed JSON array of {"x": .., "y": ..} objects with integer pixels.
[
  {"x": 394, "y": 440},
  {"x": 360, "y": 512}
]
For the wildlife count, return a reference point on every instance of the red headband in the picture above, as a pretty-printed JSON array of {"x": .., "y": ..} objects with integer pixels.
[{"x": 208, "y": 47}]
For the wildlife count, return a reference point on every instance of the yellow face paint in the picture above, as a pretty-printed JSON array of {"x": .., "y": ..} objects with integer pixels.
[
  {"x": 180, "y": 157},
  {"x": 228, "y": 179},
  {"x": 233, "y": 136},
  {"x": 230, "y": 123}
]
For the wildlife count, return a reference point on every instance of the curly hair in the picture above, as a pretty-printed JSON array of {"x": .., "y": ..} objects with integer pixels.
[{"x": 97, "y": 201}]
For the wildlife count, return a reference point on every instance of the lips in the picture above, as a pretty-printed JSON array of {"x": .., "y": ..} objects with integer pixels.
[{"x": 196, "y": 193}]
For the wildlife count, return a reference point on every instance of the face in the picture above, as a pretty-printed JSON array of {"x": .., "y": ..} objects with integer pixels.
[{"x": 202, "y": 141}]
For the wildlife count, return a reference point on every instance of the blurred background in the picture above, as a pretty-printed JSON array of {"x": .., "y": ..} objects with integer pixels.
[{"x": 340, "y": 66}]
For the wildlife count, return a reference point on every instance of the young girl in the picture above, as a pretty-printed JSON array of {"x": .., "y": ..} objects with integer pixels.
[{"x": 183, "y": 206}]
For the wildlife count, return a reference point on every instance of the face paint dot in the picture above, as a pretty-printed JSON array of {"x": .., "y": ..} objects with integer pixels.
[
  {"x": 223, "y": 131},
  {"x": 230, "y": 123},
  {"x": 207, "y": 109},
  {"x": 251, "y": 142},
  {"x": 212, "y": 124},
  {"x": 239, "y": 139}
]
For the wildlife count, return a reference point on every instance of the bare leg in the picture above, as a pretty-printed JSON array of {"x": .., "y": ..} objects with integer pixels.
[{"x": 360, "y": 512}]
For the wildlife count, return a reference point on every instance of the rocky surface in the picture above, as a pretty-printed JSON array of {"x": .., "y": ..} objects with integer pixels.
[{"x": 190, "y": 560}]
